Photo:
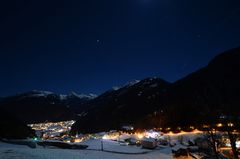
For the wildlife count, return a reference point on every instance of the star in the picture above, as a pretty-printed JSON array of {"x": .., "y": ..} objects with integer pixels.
[{"x": 198, "y": 36}]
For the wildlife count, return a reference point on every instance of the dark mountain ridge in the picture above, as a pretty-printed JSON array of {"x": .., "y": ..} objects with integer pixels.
[
  {"x": 213, "y": 89},
  {"x": 125, "y": 105},
  {"x": 197, "y": 98}
]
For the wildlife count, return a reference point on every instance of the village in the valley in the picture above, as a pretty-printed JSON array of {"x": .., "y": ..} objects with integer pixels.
[{"x": 125, "y": 143}]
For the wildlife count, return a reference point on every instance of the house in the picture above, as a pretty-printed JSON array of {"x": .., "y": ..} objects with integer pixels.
[
  {"x": 127, "y": 127},
  {"x": 149, "y": 143}
]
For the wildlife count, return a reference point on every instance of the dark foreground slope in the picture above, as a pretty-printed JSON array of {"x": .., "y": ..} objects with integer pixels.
[{"x": 13, "y": 128}]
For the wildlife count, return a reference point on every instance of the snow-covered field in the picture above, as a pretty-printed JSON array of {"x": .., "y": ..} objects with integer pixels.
[{"x": 10, "y": 151}]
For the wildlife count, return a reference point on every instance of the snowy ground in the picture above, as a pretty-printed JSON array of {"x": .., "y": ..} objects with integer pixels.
[
  {"x": 10, "y": 151},
  {"x": 114, "y": 146}
]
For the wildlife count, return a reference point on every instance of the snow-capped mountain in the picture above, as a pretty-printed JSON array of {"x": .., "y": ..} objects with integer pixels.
[
  {"x": 128, "y": 84},
  {"x": 39, "y": 106},
  {"x": 81, "y": 96},
  {"x": 199, "y": 97},
  {"x": 40, "y": 93}
]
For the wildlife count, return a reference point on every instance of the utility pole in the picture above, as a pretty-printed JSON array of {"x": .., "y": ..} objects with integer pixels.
[{"x": 101, "y": 145}]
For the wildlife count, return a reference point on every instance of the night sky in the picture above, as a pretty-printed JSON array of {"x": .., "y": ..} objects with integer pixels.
[{"x": 92, "y": 45}]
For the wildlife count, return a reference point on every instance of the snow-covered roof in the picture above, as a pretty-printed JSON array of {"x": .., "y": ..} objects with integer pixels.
[{"x": 149, "y": 139}]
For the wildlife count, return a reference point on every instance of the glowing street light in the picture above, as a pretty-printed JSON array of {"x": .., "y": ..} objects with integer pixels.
[
  {"x": 230, "y": 124},
  {"x": 219, "y": 125}
]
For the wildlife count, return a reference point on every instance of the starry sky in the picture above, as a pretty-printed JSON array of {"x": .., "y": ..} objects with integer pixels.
[{"x": 89, "y": 46}]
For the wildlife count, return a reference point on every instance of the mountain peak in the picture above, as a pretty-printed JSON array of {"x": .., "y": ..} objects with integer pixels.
[
  {"x": 131, "y": 83},
  {"x": 36, "y": 93},
  {"x": 128, "y": 84},
  {"x": 41, "y": 92},
  {"x": 87, "y": 96}
]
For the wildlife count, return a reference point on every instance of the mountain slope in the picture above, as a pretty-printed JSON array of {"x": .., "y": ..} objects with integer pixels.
[
  {"x": 209, "y": 92},
  {"x": 200, "y": 97},
  {"x": 123, "y": 106}
]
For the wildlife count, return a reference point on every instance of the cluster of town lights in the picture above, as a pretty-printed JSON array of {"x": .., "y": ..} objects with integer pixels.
[
  {"x": 52, "y": 130},
  {"x": 195, "y": 131},
  {"x": 228, "y": 124},
  {"x": 148, "y": 134}
]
